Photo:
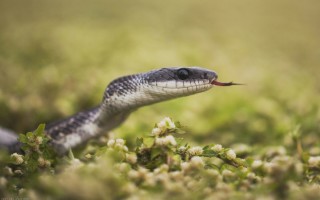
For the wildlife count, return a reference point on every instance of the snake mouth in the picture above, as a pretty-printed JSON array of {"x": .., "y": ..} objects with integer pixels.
[{"x": 217, "y": 83}]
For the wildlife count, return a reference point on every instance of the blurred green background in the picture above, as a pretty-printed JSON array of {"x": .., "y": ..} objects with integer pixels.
[{"x": 56, "y": 58}]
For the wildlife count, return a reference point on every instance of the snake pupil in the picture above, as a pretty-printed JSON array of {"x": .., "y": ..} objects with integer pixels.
[{"x": 183, "y": 74}]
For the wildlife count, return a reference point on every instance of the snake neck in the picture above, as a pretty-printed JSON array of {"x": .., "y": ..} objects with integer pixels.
[
  {"x": 81, "y": 127},
  {"x": 114, "y": 109}
]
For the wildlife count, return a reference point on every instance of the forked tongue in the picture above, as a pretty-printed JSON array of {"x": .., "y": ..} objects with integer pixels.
[{"x": 215, "y": 82}]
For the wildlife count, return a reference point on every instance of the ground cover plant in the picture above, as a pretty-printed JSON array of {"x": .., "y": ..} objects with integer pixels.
[
  {"x": 255, "y": 141},
  {"x": 162, "y": 165}
]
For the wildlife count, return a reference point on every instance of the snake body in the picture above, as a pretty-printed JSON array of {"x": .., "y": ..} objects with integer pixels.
[{"x": 121, "y": 97}]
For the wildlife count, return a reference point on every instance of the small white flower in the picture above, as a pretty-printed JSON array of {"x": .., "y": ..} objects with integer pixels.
[
  {"x": 251, "y": 175},
  {"x": 170, "y": 124},
  {"x": 157, "y": 170},
  {"x": 18, "y": 172},
  {"x": 191, "y": 184},
  {"x": 256, "y": 164},
  {"x": 143, "y": 171},
  {"x": 47, "y": 163},
  {"x": 88, "y": 156},
  {"x": 17, "y": 158},
  {"x": 185, "y": 166},
  {"x": 149, "y": 179},
  {"x": 217, "y": 148},
  {"x": 123, "y": 167},
  {"x": 39, "y": 140},
  {"x": 156, "y": 131},
  {"x": 111, "y": 143},
  {"x": 182, "y": 149},
  {"x": 131, "y": 189},
  {"x": 120, "y": 141},
  {"x": 3, "y": 181},
  {"x": 227, "y": 173},
  {"x": 41, "y": 162},
  {"x": 171, "y": 140},
  {"x": 131, "y": 158},
  {"x": 314, "y": 161},
  {"x": 162, "y": 178},
  {"x": 164, "y": 167},
  {"x": 118, "y": 146},
  {"x": 133, "y": 174},
  {"x": 176, "y": 175},
  {"x": 125, "y": 148},
  {"x": 244, "y": 170},
  {"x": 194, "y": 151},
  {"x": 8, "y": 171},
  {"x": 282, "y": 150},
  {"x": 162, "y": 125},
  {"x": 165, "y": 124},
  {"x": 298, "y": 167},
  {"x": 161, "y": 141},
  {"x": 161, "y": 169},
  {"x": 196, "y": 161},
  {"x": 269, "y": 167},
  {"x": 22, "y": 191},
  {"x": 231, "y": 155},
  {"x": 212, "y": 173}
]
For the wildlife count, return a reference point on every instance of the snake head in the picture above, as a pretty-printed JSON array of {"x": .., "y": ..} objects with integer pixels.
[
  {"x": 179, "y": 81},
  {"x": 134, "y": 91}
]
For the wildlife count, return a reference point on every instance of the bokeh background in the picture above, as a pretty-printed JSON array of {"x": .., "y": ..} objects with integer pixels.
[{"x": 57, "y": 57}]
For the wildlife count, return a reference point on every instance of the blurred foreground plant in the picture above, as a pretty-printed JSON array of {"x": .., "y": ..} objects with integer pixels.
[
  {"x": 160, "y": 164},
  {"x": 36, "y": 158}
]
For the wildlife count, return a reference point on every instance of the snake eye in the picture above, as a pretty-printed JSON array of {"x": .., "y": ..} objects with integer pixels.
[{"x": 183, "y": 74}]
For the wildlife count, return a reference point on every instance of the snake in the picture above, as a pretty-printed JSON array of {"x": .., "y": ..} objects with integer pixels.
[{"x": 121, "y": 97}]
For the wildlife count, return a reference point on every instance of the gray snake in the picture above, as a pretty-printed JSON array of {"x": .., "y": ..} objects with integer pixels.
[{"x": 121, "y": 97}]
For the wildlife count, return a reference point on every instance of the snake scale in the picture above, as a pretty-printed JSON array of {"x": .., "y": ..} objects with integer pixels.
[{"x": 121, "y": 97}]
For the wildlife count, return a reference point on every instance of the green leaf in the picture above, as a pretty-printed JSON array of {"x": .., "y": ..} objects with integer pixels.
[
  {"x": 29, "y": 135},
  {"x": 40, "y": 130},
  {"x": 178, "y": 124},
  {"x": 139, "y": 142},
  {"x": 180, "y": 131},
  {"x": 179, "y": 141},
  {"x": 32, "y": 165},
  {"x": 22, "y": 138},
  {"x": 206, "y": 147},
  {"x": 212, "y": 166},
  {"x": 209, "y": 153},
  {"x": 101, "y": 151},
  {"x": 148, "y": 141},
  {"x": 155, "y": 152}
]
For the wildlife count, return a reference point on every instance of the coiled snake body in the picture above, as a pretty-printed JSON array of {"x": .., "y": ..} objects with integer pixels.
[{"x": 121, "y": 97}]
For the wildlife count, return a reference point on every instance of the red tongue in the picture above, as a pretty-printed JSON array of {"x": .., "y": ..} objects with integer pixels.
[{"x": 214, "y": 82}]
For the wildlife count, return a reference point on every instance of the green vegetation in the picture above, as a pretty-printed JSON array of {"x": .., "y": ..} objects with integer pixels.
[
  {"x": 57, "y": 57},
  {"x": 162, "y": 164}
]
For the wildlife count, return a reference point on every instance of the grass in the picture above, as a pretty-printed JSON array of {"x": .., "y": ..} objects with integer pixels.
[{"x": 56, "y": 59}]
